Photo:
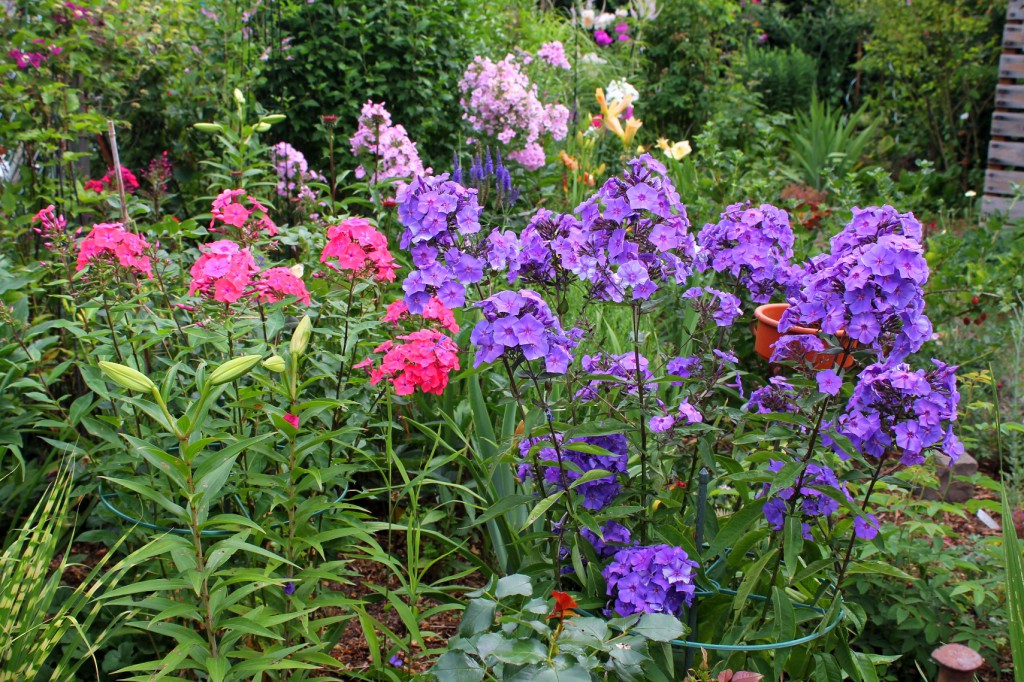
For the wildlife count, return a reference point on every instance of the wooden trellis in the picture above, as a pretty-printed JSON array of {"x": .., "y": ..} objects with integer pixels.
[{"x": 1006, "y": 150}]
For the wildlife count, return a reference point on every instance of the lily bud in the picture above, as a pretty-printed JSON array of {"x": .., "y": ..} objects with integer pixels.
[
  {"x": 275, "y": 363},
  {"x": 208, "y": 127},
  {"x": 300, "y": 337},
  {"x": 126, "y": 377},
  {"x": 239, "y": 97},
  {"x": 232, "y": 369},
  {"x": 271, "y": 119}
]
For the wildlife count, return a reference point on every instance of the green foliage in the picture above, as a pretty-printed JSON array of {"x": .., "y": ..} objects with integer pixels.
[
  {"x": 1012, "y": 553},
  {"x": 37, "y": 613},
  {"x": 783, "y": 78},
  {"x": 410, "y": 55},
  {"x": 824, "y": 141}
]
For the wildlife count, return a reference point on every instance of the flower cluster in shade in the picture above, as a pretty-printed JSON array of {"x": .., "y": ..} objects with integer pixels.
[
  {"x": 778, "y": 395},
  {"x": 112, "y": 243},
  {"x": 440, "y": 216},
  {"x": 159, "y": 172},
  {"x": 33, "y": 60},
  {"x": 251, "y": 223},
  {"x": 293, "y": 174},
  {"x": 499, "y": 101},
  {"x": 532, "y": 255},
  {"x": 650, "y": 579},
  {"x": 385, "y": 150},
  {"x": 811, "y": 502},
  {"x": 357, "y": 249},
  {"x": 870, "y": 286},
  {"x": 617, "y": 371},
  {"x": 422, "y": 359},
  {"x": 226, "y": 272},
  {"x": 896, "y": 408},
  {"x": 596, "y": 494},
  {"x": 720, "y": 306},
  {"x": 520, "y": 325},
  {"x": 489, "y": 176},
  {"x": 108, "y": 183},
  {"x": 754, "y": 246},
  {"x": 433, "y": 311},
  {"x": 633, "y": 235},
  {"x": 553, "y": 53},
  {"x": 616, "y": 536},
  {"x": 52, "y": 227}
]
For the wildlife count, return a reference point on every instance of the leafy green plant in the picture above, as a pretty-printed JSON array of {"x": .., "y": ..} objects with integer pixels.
[
  {"x": 1014, "y": 588},
  {"x": 784, "y": 78},
  {"x": 39, "y": 615},
  {"x": 824, "y": 142}
]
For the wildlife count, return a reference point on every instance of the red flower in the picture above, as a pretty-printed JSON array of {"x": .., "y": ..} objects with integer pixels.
[{"x": 564, "y": 605}]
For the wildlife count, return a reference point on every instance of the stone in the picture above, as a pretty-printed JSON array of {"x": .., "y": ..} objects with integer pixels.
[{"x": 950, "y": 489}]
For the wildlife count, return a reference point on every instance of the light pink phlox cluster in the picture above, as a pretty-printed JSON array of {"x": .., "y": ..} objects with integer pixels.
[
  {"x": 112, "y": 241},
  {"x": 276, "y": 283},
  {"x": 357, "y": 247},
  {"x": 293, "y": 172},
  {"x": 229, "y": 209},
  {"x": 393, "y": 155},
  {"x": 553, "y": 53},
  {"x": 52, "y": 224},
  {"x": 499, "y": 100},
  {"x": 434, "y": 310},
  {"x": 224, "y": 272}
]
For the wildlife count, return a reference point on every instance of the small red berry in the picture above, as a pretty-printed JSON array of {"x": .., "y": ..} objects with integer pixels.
[
  {"x": 967, "y": 320},
  {"x": 975, "y": 300},
  {"x": 983, "y": 317},
  {"x": 978, "y": 321}
]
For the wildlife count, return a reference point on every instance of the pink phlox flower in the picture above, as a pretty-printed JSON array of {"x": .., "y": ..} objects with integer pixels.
[
  {"x": 111, "y": 241},
  {"x": 357, "y": 247},
  {"x": 224, "y": 272},
  {"x": 279, "y": 282},
  {"x": 228, "y": 208}
]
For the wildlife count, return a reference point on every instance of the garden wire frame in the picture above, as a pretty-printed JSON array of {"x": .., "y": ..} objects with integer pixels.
[{"x": 106, "y": 497}]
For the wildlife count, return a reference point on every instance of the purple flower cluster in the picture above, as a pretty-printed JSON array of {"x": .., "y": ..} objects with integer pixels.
[
  {"x": 532, "y": 255},
  {"x": 596, "y": 494},
  {"x": 687, "y": 414},
  {"x": 520, "y": 324},
  {"x": 616, "y": 536},
  {"x": 895, "y": 407},
  {"x": 386, "y": 149},
  {"x": 722, "y": 307},
  {"x": 753, "y": 245},
  {"x": 484, "y": 174},
  {"x": 500, "y": 101},
  {"x": 683, "y": 367},
  {"x": 293, "y": 173},
  {"x": 634, "y": 234},
  {"x": 870, "y": 285},
  {"x": 653, "y": 579},
  {"x": 778, "y": 396},
  {"x": 622, "y": 369},
  {"x": 795, "y": 347},
  {"x": 811, "y": 501},
  {"x": 439, "y": 216}
]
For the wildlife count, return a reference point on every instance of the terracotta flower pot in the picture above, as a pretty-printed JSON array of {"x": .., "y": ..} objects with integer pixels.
[{"x": 767, "y": 333}]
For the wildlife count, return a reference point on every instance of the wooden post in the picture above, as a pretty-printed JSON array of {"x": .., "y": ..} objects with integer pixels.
[{"x": 1006, "y": 149}]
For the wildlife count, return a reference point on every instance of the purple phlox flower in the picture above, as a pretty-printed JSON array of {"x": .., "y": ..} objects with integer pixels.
[
  {"x": 778, "y": 396},
  {"x": 622, "y": 372},
  {"x": 289, "y": 588},
  {"x": 385, "y": 150},
  {"x": 662, "y": 423},
  {"x": 520, "y": 324},
  {"x": 615, "y": 536},
  {"x": 612, "y": 456},
  {"x": 649, "y": 579},
  {"x": 752, "y": 245},
  {"x": 866, "y": 529},
  {"x": 810, "y": 501},
  {"x": 829, "y": 382},
  {"x": 396, "y": 661},
  {"x": 796, "y": 347}
]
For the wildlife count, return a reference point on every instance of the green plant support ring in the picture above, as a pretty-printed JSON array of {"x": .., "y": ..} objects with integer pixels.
[{"x": 106, "y": 496}]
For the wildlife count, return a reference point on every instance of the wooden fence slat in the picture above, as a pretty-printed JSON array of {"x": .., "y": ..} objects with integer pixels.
[
  {"x": 1008, "y": 124},
  {"x": 1002, "y": 205},
  {"x": 1013, "y": 36},
  {"x": 1016, "y": 10},
  {"x": 1011, "y": 65},
  {"x": 1006, "y": 153},
  {"x": 1002, "y": 181},
  {"x": 1010, "y": 97}
]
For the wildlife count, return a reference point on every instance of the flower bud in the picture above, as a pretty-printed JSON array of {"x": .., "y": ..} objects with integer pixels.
[
  {"x": 126, "y": 377},
  {"x": 275, "y": 363},
  {"x": 208, "y": 127},
  {"x": 261, "y": 127},
  {"x": 239, "y": 97},
  {"x": 232, "y": 369},
  {"x": 271, "y": 119},
  {"x": 300, "y": 337}
]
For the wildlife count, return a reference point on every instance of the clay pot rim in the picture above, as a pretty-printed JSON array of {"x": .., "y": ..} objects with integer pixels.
[{"x": 763, "y": 314}]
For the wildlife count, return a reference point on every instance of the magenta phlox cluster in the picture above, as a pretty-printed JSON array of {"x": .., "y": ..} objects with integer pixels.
[
  {"x": 251, "y": 223},
  {"x": 895, "y": 408},
  {"x": 650, "y": 579},
  {"x": 277, "y": 283},
  {"x": 385, "y": 149},
  {"x": 596, "y": 494},
  {"x": 634, "y": 235},
  {"x": 870, "y": 286},
  {"x": 499, "y": 101},
  {"x": 520, "y": 325},
  {"x": 109, "y": 242},
  {"x": 440, "y": 217},
  {"x": 754, "y": 246},
  {"x": 224, "y": 272}
]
